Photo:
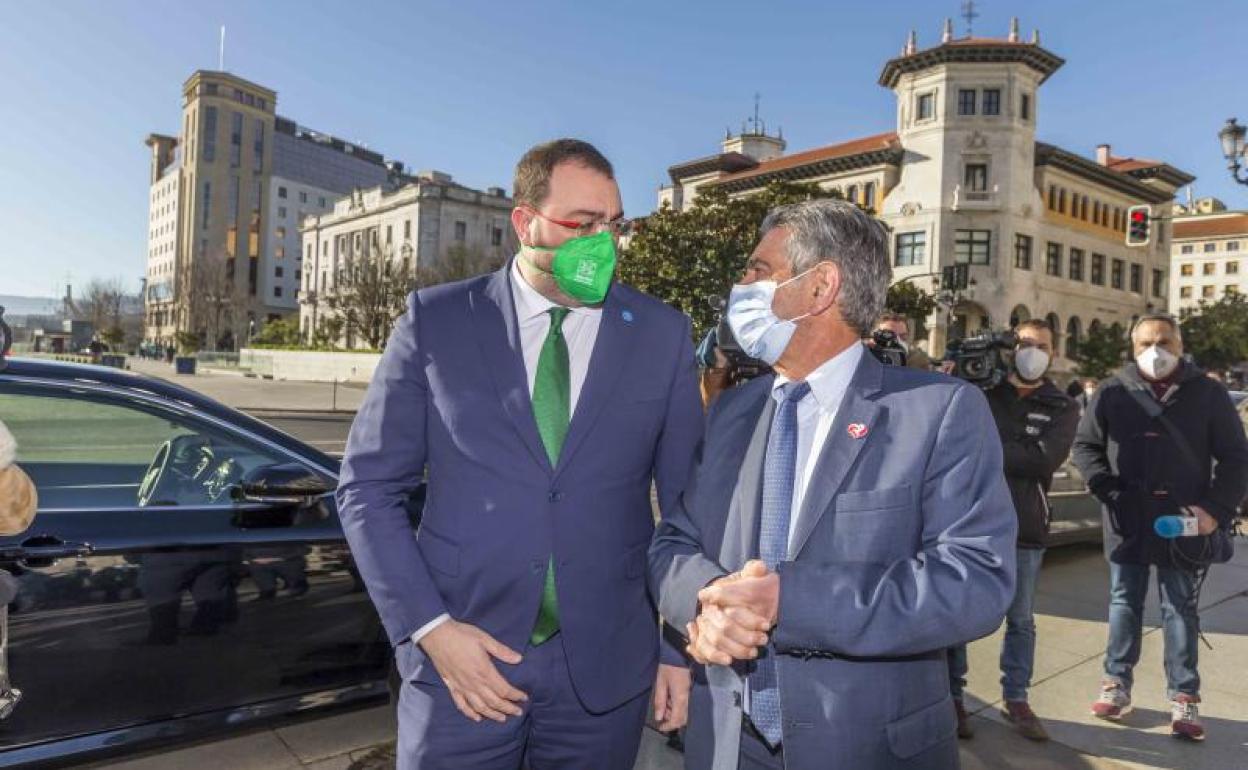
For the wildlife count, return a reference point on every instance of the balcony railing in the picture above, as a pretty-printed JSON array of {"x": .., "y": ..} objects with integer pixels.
[{"x": 976, "y": 199}]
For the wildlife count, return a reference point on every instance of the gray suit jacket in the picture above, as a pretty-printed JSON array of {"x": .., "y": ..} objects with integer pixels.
[{"x": 904, "y": 546}]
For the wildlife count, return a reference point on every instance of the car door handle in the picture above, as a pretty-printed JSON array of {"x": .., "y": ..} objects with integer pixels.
[{"x": 51, "y": 547}]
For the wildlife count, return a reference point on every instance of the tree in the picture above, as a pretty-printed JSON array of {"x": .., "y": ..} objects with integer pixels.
[
  {"x": 1216, "y": 334},
  {"x": 328, "y": 332},
  {"x": 689, "y": 258},
  {"x": 1102, "y": 352},
  {"x": 212, "y": 301},
  {"x": 372, "y": 295},
  {"x": 459, "y": 263},
  {"x": 100, "y": 304},
  {"x": 282, "y": 333}
]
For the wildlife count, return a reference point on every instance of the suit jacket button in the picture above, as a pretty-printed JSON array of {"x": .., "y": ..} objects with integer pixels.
[
  {"x": 537, "y": 567},
  {"x": 555, "y": 496}
]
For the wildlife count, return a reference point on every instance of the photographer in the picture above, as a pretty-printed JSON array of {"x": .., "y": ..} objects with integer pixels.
[
  {"x": 897, "y": 324},
  {"x": 1036, "y": 422},
  {"x": 1160, "y": 439}
]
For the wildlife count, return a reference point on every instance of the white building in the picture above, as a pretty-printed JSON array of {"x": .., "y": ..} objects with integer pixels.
[
  {"x": 417, "y": 226},
  {"x": 963, "y": 179},
  {"x": 1209, "y": 255}
]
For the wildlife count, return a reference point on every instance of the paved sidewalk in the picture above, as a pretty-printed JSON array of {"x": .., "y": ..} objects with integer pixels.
[
  {"x": 1071, "y": 605},
  {"x": 256, "y": 394}
]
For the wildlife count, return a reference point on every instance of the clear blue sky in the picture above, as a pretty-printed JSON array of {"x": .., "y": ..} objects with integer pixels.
[{"x": 467, "y": 86}]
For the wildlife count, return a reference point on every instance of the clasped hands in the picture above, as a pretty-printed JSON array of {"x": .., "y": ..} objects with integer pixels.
[{"x": 735, "y": 614}]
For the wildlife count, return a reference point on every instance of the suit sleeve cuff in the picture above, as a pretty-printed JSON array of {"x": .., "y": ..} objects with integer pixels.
[{"x": 426, "y": 628}]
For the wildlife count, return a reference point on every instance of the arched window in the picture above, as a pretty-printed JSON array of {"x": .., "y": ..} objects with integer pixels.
[
  {"x": 1074, "y": 334},
  {"x": 1019, "y": 314},
  {"x": 1055, "y": 326}
]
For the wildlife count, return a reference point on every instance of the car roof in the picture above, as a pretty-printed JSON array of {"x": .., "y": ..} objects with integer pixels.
[{"x": 140, "y": 384}]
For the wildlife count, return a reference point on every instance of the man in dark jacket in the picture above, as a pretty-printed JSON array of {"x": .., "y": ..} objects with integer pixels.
[
  {"x": 1036, "y": 422},
  {"x": 1140, "y": 471}
]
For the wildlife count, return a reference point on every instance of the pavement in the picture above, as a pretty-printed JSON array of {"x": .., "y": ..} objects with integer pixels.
[
  {"x": 1071, "y": 603},
  {"x": 252, "y": 394}
]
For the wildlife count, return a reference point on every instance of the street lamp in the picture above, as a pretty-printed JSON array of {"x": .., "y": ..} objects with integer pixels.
[{"x": 1232, "y": 137}]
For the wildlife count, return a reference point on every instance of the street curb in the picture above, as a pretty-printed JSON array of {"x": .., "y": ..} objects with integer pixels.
[{"x": 256, "y": 411}]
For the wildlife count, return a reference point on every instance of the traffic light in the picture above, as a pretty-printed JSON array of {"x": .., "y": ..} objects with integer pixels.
[{"x": 1139, "y": 225}]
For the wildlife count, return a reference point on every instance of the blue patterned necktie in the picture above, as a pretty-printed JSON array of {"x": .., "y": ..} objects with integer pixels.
[{"x": 779, "y": 474}]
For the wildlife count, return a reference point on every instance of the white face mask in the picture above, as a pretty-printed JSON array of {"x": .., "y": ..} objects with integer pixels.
[
  {"x": 759, "y": 332},
  {"x": 1031, "y": 363},
  {"x": 1156, "y": 363}
]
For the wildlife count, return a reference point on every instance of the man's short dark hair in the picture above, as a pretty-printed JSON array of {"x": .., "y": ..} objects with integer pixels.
[
  {"x": 1039, "y": 324},
  {"x": 532, "y": 182},
  {"x": 890, "y": 317}
]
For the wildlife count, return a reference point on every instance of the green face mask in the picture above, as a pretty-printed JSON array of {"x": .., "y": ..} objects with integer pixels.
[{"x": 583, "y": 266}]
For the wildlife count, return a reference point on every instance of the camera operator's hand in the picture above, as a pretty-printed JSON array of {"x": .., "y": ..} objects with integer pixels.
[
  {"x": 945, "y": 367},
  {"x": 1205, "y": 523}
]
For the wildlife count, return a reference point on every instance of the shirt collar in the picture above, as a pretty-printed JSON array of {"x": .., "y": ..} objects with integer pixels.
[
  {"x": 531, "y": 303},
  {"x": 830, "y": 380}
]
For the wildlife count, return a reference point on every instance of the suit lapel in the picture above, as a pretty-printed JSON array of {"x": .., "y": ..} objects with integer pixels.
[
  {"x": 840, "y": 449},
  {"x": 497, "y": 332},
  {"x": 607, "y": 364},
  {"x": 747, "y": 497}
]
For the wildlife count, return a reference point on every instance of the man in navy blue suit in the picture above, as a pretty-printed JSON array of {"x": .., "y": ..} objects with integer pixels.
[{"x": 542, "y": 400}]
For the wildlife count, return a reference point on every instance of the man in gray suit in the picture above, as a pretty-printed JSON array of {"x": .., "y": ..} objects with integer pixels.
[{"x": 847, "y": 522}]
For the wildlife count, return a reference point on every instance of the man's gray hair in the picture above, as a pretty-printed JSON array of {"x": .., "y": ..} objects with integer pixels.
[
  {"x": 1165, "y": 318},
  {"x": 834, "y": 231}
]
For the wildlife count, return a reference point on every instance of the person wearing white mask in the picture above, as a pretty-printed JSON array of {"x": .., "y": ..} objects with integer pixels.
[
  {"x": 1159, "y": 439},
  {"x": 1036, "y": 422}
]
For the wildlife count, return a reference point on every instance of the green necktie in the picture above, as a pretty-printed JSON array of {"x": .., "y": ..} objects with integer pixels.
[{"x": 552, "y": 407}]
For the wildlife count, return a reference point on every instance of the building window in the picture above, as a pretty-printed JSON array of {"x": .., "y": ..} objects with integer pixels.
[
  {"x": 1024, "y": 107},
  {"x": 868, "y": 195},
  {"x": 976, "y": 177},
  {"x": 851, "y": 193},
  {"x": 1116, "y": 274},
  {"x": 1159, "y": 283},
  {"x": 1230, "y": 290},
  {"x": 281, "y": 192},
  {"x": 971, "y": 246},
  {"x": 279, "y": 252},
  {"x": 992, "y": 101},
  {"x": 322, "y": 201},
  {"x": 1075, "y": 265},
  {"x": 925, "y": 108},
  {"x": 1209, "y": 268},
  {"x": 1185, "y": 292},
  {"x": 257, "y": 145},
  {"x": 281, "y": 212},
  {"x": 1096, "y": 212},
  {"x": 1022, "y": 251},
  {"x": 1210, "y": 247},
  {"x": 407, "y": 229},
  {"x": 911, "y": 249},
  {"x": 1097, "y": 275},
  {"x": 966, "y": 101},
  {"x": 209, "y": 151},
  {"x": 1186, "y": 269},
  {"x": 277, "y": 272},
  {"x": 461, "y": 231},
  {"x": 1053, "y": 197},
  {"x": 1083, "y": 208},
  {"x": 1232, "y": 245},
  {"x": 303, "y": 196},
  {"x": 496, "y": 238},
  {"x": 1053, "y": 259},
  {"x": 1137, "y": 278},
  {"x": 277, "y": 291},
  {"x": 1232, "y": 267},
  {"x": 207, "y": 203},
  {"x": 389, "y": 234},
  {"x": 1207, "y": 291},
  {"x": 236, "y": 139},
  {"x": 1061, "y": 201}
]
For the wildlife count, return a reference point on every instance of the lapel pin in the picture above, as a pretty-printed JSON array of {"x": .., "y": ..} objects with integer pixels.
[
  {"x": 627, "y": 315},
  {"x": 857, "y": 430}
]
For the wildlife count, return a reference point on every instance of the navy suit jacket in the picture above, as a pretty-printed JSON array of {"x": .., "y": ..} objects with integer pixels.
[
  {"x": 451, "y": 396},
  {"x": 904, "y": 545}
]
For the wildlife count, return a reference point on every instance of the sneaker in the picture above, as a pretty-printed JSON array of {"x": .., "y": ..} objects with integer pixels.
[
  {"x": 1114, "y": 703},
  {"x": 1019, "y": 714},
  {"x": 964, "y": 721},
  {"x": 1185, "y": 718}
]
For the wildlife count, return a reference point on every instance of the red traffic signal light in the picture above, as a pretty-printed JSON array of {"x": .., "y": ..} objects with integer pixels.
[{"x": 1139, "y": 225}]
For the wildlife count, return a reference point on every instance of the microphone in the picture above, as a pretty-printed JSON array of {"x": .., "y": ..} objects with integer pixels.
[{"x": 1171, "y": 527}]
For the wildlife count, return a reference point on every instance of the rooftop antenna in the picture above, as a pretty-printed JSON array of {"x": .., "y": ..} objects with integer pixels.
[
  {"x": 970, "y": 14},
  {"x": 221, "y": 52}
]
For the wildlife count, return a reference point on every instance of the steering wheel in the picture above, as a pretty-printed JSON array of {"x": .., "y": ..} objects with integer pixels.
[{"x": 178, "y": 463}]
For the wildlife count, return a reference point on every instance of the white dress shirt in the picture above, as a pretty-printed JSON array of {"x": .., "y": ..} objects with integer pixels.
[{"x": 580, "y": 332}]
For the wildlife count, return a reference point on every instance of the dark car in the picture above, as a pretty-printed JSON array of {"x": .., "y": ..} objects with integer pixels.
[{"x": 186, "y": 571}]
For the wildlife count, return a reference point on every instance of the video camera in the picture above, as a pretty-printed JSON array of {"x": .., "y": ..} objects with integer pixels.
[
  {"x": 886, "y": 348},
  {"x": 979, "y": 359},
  {"x": 740, "y": 365}
]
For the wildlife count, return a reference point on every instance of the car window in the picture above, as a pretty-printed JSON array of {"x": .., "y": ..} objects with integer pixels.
[{"x": 87, "y": 450}]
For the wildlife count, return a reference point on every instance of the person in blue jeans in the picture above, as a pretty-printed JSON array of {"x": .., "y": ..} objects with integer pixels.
[
  {"x": 1036, "y": 422},
  {"x": 1190, "y": 458}
]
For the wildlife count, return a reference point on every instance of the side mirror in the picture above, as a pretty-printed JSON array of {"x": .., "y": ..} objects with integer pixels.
[{"x": 286, "y": 484}]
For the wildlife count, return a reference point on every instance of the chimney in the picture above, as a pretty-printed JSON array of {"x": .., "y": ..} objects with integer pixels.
[
  {"x": 912, "y": 44},
  {"x": 1035, "y": 37},
  {"x": 1014, "y": 30},
  {"x": 946, "y": 34},
  {"x": 1102, "y": 154}
]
